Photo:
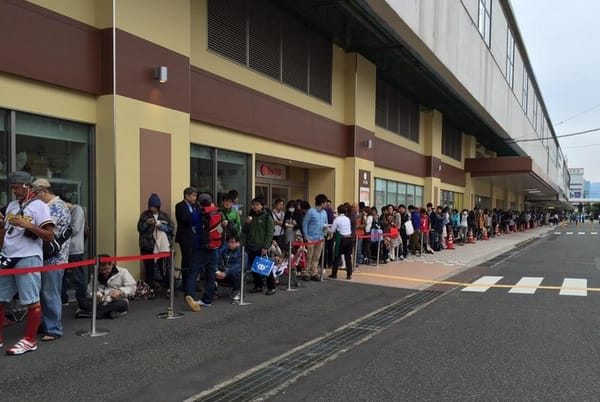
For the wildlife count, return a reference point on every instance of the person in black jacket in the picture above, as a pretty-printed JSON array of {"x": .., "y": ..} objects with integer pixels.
[{"x": 184, "y": 235}]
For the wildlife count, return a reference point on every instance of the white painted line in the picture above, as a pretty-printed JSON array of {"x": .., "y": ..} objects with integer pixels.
[
  {"x": 481, "y": 282},
  {"x": 594, "y": 233},
  {"x": 569, "y": 232},
  {"x": 573, "y": 285},
  {"x": 557, "y": 233},
  {"x": 581, "y": 233},
  {"x": 521, "y": 288}
]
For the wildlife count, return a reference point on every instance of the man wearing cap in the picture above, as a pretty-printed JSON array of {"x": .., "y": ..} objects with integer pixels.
[
  {"x": 204, "y": 256},
  {"x": 27, "y": 223},
  {"x": 52, "y": 280}
]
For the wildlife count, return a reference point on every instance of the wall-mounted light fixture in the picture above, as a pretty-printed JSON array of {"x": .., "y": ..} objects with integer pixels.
[
  {"x": 160, "y": 73},
  {"x": 369, "y": 144}
]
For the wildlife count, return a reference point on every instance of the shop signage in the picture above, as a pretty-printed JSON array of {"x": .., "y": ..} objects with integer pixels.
[
  {"x": 364, "y": 186},
  {"x": 270, "y": 171}
]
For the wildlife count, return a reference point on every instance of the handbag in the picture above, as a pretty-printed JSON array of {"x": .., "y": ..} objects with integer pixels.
[
  {"x": 262, "y": 266},
  {"x": 408, "y": 228}
]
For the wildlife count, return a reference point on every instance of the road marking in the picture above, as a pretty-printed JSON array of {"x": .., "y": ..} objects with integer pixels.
[
  {"x": 483, "y": 284},
  {"x": 527, "y": 285},
  {"x": 594, "y": 233},
  {"x": 569, "y": 232},
  {"x": 557, "y": 233},
  {"x": 572, "y": 285},
  {"x": 581, "y": 233}
]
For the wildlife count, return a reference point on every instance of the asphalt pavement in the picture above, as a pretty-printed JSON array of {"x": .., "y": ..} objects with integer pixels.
[
  {"x": 491, "y": 345},
  {"x": 428, "y": 355}
]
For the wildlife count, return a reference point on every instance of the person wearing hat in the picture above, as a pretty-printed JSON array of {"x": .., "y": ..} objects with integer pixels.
[
  {"x": 155, "y": 229},
  {"x": 204, "y": 256},
  {"x": 52, "y": 280},
  {"x": 257, "y": 235},
  {"x": 27, "y": 223}
]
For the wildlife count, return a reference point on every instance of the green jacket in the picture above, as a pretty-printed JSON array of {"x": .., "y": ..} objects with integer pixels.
[
  {"x": 232, "y": 216},
  {"x": 259, "y": 232}
]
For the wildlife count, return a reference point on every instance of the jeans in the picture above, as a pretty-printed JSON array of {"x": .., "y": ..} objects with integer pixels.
[
  {"x": 27, "y": 285},
  {"x": 80, "y": 279},
  {"x": 359, "y": 251},
  {"x": 51, "y": 302},
  {"x": 193, "y": 269},
  {"x": 208, "y": 262}
]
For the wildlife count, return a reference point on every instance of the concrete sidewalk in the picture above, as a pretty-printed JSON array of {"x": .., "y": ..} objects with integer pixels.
[{"x": 418, "y": 272}]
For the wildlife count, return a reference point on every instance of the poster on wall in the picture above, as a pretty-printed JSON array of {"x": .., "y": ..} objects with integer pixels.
[{"x": 364, "y": 186}]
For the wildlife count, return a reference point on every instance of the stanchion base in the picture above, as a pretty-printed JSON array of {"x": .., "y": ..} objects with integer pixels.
[
  {"x": 291, "y": 289},
  {"x": 99, "y": 332},
  {"x": 241, "y": 303},
  {"x": 167, "y": 316}
]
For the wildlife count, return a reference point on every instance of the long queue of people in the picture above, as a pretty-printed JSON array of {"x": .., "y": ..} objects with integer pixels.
[{"x": 210, "y": 236}]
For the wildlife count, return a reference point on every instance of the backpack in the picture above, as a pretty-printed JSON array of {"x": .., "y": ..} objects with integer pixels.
[{"x": 211, "y": 231}]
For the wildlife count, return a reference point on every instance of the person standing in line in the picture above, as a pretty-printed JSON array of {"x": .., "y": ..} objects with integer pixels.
[
  {"x": 314, "y": 226},
  {"x": 155, "y": 230},
  {"x": 257, "y": 236},
  {"x": 205, "y": 253},
  {"x": 342, "y": 230},
  {"x": 187, "y": 216},
  {"x": 76, "y": 250},
  {"x": 278, "y": 215},
  {"x": 329, "y": 254},
  {"x": 26, "y": 225},
  {"x": 52, "y": 280}
]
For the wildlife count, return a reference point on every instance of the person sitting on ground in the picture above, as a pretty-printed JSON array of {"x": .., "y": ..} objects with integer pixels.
[
  {"x": 230, "y": 267},
  {"x": 115, "y": 285}
]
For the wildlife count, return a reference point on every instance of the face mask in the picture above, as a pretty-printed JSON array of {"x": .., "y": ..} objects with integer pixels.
[{"x": 291, "y": 209}]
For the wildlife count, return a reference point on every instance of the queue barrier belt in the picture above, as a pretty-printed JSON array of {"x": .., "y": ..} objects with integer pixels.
[{"x": 71, "y": 265}]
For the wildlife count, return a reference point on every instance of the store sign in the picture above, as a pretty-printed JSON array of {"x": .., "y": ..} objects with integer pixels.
[
  {"x": 270, "y": 171},
  {"x": 364, "y": 186}
]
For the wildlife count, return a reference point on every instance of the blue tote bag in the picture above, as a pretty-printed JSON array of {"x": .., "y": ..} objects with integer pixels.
[{"x": 262, "y": 266}]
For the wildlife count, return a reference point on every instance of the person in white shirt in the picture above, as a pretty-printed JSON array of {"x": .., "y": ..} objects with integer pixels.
[{"x": 342, "y": 231}]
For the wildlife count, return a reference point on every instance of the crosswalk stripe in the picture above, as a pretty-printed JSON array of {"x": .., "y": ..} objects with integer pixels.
[
  {"x": 480, "y": 284},
  {"x": 557, "y": 232},
  {"x": 522, "y": 286},
  {"x": 594, "y": 233},
  {"x": 569, "y": 232},
  {"x": 572, "y": 286},
  {"x": 581, "y": 233}
]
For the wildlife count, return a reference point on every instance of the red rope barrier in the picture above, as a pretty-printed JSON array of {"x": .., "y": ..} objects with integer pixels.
[
  {"x": 21, "y": 271},
  {"x": 70, "y": 265},
  {"x": 310, "y": 243}
]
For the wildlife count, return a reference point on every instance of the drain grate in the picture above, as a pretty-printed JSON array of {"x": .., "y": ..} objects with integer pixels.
[{"x": 279, "y": 372}]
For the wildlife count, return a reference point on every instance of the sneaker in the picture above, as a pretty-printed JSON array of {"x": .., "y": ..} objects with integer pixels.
[
  {"x": 21, "y": 347},
  {"x": 236, "y": 297},
  {"x": 270, "y": 292},
  {"x": 117, "y": 314},
  {"x": 1, "y": 344},
  {"x": 201, "y": 303},
  {"x": 192, "y": 304},
  {"x": 83, "y": 314}
]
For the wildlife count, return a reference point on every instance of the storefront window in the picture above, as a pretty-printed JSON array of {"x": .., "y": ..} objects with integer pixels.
[
  {"x": 231, "y": 172},
  {"x": 395, "y": 193},
  {"x": 482, "y": 202},
  {"x": 57, "y": 150}
]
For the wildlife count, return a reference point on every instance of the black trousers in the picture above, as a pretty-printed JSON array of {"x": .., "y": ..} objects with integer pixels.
[
  {"x": 346, "y": 246},
  {"x": 258, "y": 279},
  {"x": 103, "y": 310}
]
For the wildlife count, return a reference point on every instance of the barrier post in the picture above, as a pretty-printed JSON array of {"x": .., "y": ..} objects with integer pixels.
[
  {"x": 170, "y": 314},
  {"x": 378, "y": 248},
  {"x": 290, "y": 269},
  {"x": 93, "y": 332},
  {"x": 322, "y": 259},
  {"x": 242, "y": 279},
  {"x": 421, "y": 239}
]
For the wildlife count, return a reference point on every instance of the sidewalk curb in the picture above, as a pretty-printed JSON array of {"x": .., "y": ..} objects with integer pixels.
[{"x": 475, "y": 262}]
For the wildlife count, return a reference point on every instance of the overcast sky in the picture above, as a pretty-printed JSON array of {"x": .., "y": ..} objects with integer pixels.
[{"x": 562, "y": 39}]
